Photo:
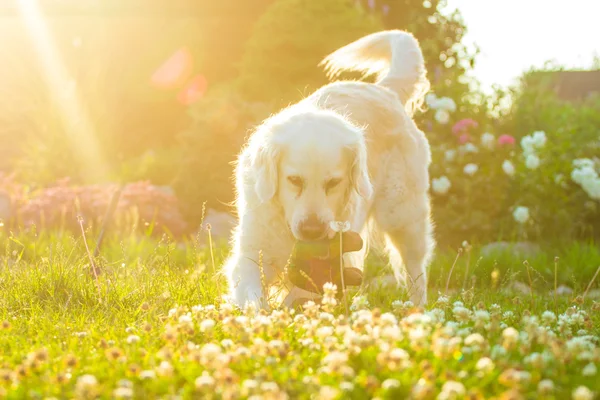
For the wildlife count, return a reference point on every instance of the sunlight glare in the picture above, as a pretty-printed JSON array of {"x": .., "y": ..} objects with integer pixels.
[{"x": 64, "y": 92}]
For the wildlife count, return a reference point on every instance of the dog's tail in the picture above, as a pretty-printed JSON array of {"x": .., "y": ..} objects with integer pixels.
[{"x": 395, "y": 58}]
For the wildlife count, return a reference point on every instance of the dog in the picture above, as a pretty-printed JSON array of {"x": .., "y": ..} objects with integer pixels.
[{"x": 348, "y": 152}]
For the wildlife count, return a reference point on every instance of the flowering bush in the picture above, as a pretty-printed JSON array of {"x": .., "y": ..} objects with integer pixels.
[
  {"x": 60, "y": 206},
  {"x": 488, "y": 185}
]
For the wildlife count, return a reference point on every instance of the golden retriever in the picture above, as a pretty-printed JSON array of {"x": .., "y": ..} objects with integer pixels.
[{"x": 348, "y": 152}]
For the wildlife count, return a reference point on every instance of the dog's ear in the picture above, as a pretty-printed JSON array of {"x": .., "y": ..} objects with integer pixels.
[
  {"x": 359, "y": 174},
  {"x": 265, "y": 163}
]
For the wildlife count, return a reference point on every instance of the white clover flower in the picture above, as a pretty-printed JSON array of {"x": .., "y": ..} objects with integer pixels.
[
  {"x": 481, "y": 316},
  {"x": 147, "y": 374},
  {"x": 521, "y": 214},
  {"x": 545, "y": 387},
  {"x": 441, "y": 185},
  {"x": 485, "y": 364},
  {"x": 340, "y": 226},
  {"x": 450, "y": 155},
  {"x": 204, "y": 381},
  {"x": 87, "y": 381},
  {"x": 207, "y": 325},
  {"x": 390, "y": 384},
  {"x": 462, "y": 314},
  {"x": 185, "y": 319},
  {"x": 510, "y": 334},
  {"x": 583, "y": 393},
  {"x": 442, "y": 117},
  {"x": 474, "y": 339},
  {"x": 548, "y": 317},
  {"x": 470, "y": 169},
  {"x": 452, "y": 390},
  {"x": 488, "y": 140},
  {"x": 131, "y": 339},
  {"x": 589, "y": 370},
  {"x": 123, "y": 393},
  {"x": 508, "y": 168}
]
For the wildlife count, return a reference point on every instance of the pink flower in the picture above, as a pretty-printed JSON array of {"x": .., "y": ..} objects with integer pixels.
[
  {"x": 464, "y": 138},
  {"x": 464, "y": 125},
  {"x": 506, "y": 140}
]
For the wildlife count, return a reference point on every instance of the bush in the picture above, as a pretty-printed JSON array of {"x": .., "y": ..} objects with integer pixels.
[
  {"x": 142, "y": 207},
  {"x": 221, "y": 122},
  {"x": 281, "y": 58},
  {"x": 530, "y": 175}
]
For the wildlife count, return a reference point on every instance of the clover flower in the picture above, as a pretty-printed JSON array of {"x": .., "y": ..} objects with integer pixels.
[
  {"x": 532, "y": 161},
  {"x": 470, "y": 169},
  {"x": 441, "y": 185},
  {"x": 488, "y": 140}
]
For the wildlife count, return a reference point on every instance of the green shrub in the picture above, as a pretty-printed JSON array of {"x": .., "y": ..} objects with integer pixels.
[{"x": 221, "y": 122}]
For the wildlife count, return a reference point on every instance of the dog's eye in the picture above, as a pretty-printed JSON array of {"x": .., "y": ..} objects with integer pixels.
[
  {"x": 296, "y": 181},
  {"x": 332, "y": 183}
]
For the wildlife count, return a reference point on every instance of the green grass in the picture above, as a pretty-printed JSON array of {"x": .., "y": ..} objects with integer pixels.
[{"x": 59, "y": 326}]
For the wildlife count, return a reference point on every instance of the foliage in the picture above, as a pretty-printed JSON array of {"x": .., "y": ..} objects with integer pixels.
[
  {"x": 158, "y": 328},
  {"x": 525, "y": 161},
  {"x": 221, "y": 122},
  {"x": 281, "y": 58}
]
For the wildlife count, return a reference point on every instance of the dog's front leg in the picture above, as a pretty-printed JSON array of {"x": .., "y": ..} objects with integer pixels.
[{"x": 246, "y": 279}]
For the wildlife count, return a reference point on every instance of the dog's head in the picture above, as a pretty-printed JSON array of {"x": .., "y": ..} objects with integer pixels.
[{"x": 311, "y": 162}]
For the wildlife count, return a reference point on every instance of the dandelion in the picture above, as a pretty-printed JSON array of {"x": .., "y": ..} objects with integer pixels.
[
  {"x": 508, "y": 168},
  {"x": 521, "y": 214},
  {"x": 470, "y": 169},
  {"x": 532, "y": 161},
  {"x": 441, "y": 185}
]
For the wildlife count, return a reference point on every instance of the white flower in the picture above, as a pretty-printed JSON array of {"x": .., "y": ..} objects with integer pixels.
[
  {"x": 583, "y": 393},
  {"x": 470, "y": 169},
  {"x": 469, "y": 148},
  {"x": 339, "y": 226},
  {"x": 539, "y": 139},
  {"x": 583, "y": 162},
  {"x": 446, "y": 103},
  {"x": 131, "y": 339},
  {"x": 442, "y": 116},
  {"x": 527, "y": 145},
  {"x": 510, "y": 334},
  {"x": 546, "y": 386},
  {"x": 488, "y": 140},
  {"x": 147, "y": 374},
  {"x": 485, "y": 364},
  {"x": 441, "y": 185},
  {"x": 450, "y": 155},
  {"x": 123, "y": 393},
  {"x": 589, "y": 370},
  {"x": 390, "y": 384},
  {"x": 452, "y": 390},
  {"x": 431, "y": 100},
  {"x": 508, "y": 168},
  {"x": 521, "y": 214},
  {"x": 532, "y": 161},
  {"x": 207, "y": 325}
]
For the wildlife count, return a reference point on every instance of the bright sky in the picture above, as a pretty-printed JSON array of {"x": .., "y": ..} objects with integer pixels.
[{"x": 514, "y": 35}]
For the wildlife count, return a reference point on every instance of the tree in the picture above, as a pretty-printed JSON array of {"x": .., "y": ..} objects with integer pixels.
[{"x": 291, "y": 38}]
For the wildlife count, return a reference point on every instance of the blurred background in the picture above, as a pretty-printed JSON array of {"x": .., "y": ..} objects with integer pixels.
[{"x": 156, "y": 98}]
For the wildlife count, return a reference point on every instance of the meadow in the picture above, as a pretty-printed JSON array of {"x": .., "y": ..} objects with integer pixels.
[{"x": 153, "y": 325}]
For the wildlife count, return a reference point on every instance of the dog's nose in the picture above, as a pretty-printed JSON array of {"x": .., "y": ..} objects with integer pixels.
[{"x": 312, "y": 228}]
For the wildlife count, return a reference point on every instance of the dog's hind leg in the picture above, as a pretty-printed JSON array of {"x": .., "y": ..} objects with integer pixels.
[{"x": 408, "y": 230}]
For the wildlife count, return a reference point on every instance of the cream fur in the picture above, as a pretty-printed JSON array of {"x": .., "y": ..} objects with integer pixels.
[{"x": 359, "y": 133}]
